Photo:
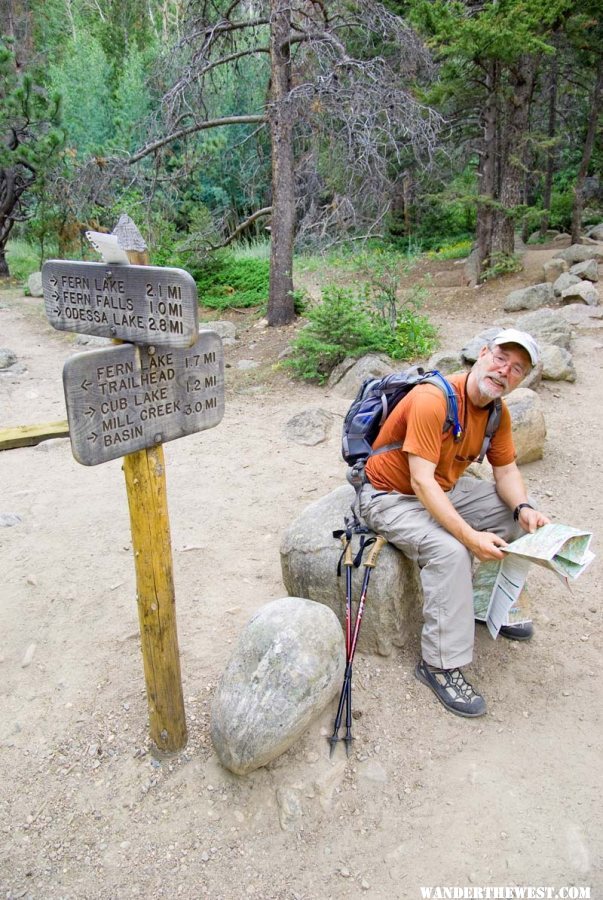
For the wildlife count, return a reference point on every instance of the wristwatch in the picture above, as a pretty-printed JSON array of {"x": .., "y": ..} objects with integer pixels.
[{"x": 519, "y": 508}]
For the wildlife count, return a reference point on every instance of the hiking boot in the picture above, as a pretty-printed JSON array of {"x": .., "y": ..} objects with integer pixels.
[
  {"x": 452, "y": 690},
  {"x": 521, "y": 632}
]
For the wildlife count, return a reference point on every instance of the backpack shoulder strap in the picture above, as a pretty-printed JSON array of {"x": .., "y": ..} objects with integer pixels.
[
  {"x": 491, "y": 426},
  {"x": 452, "y": 407}
]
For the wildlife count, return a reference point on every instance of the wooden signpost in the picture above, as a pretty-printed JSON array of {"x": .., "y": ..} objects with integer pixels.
[{"x": 127, "y": 400}]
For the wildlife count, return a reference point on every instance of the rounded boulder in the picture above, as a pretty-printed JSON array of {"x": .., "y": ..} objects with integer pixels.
[
  {"x": 288, "y": 665},
  {"x": 309, "y": 563}
]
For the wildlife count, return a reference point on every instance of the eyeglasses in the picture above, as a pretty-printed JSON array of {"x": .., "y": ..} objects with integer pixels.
[{"x": 501, "y": 361}]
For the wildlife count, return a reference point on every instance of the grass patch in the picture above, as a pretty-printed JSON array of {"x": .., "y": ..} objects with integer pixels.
[
  {"x": 452, "y": 250},
  {"x": 354, "y": 259},
  {"x": 22, "y": 259},
  {"x": 259, "y": 248}
]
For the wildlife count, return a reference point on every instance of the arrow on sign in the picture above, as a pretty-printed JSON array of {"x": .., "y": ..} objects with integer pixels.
[
  {"x": 92, "y": 437},
  {"x": 86, "y": 384},
  {"x": 90, "y": 411}
]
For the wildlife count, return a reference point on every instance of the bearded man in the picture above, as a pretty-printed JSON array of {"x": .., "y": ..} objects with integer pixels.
[{"x": 416, "y": 497}]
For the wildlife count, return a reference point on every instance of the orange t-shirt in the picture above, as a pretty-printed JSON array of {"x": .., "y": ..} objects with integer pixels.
[{"x": 417, "y": 423}]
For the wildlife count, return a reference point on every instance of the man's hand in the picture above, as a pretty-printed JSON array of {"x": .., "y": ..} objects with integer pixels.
[
  {"x": 485, "y": 545},
  {"x": 531, "y": 519}
]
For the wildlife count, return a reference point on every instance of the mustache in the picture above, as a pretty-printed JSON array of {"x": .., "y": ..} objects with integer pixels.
[
  {"x": 487, "y": 387},
  {"x": 503, "y": 381}
]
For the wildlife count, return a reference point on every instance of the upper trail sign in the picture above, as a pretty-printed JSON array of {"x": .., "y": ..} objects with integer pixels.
[{"x": 139, "y": 304}]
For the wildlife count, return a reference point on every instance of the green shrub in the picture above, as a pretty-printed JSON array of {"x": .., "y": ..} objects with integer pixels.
[
  {"x": 562, "y": 203},
  {"x": 337, "y": 327},
  {"x": 502, "y": 264},
  {"x": 223, "y": 280},
  {"x": 346, "y": 324},
  {"x": 415, "y": 335}
]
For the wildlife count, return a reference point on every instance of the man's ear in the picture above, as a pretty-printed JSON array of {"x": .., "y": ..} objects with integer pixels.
[{"x": 485, "y": 349}]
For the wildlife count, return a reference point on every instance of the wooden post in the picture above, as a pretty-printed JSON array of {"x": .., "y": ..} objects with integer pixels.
[{"x": 151, "y": 544}]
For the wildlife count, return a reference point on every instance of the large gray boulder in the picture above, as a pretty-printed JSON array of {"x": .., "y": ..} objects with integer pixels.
[
  {"x": 34, "y": 285},
  {"x": 582, "y": 317},
  {"x": 226, "y": 330},
  {"x": 309, "y": 558},
  {"x": 447, "y": 362},
  {"x": 346, "y": 378},
  {"x": 586, "y": 271},
  {"x": 583, "y": 292},
  {"x": 532, "y": 297},
  {"x": 580, "y": 252},
  {"x": 548, "y": 326},
  {"x": 470, "y": 350},
  {"x": 471, "y": 268},
  {"x": 553, "y": 268},
  {"x": 564, "y": 281},
  {"x": 596, "y": 232},
  {"x": 288, "y": 665},
  {"x": 529, "y": 428},
  {"x": 309, "y": 427},
  {"x": 549, "y": 235},
  {"x": 7, "y": 358},
  {"x": 557, "y": 364}
]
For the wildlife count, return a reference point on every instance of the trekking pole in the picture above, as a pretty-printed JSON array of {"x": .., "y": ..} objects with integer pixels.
[
  {"x": 348, "y": 561},
  {"x": 347, "y": 678}
]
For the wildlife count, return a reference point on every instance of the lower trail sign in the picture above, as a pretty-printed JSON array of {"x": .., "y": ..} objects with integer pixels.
[{"x": 125, "y": 398}]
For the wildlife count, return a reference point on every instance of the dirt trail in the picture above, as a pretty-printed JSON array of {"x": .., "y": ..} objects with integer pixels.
[{"x": 427, "y": 799}]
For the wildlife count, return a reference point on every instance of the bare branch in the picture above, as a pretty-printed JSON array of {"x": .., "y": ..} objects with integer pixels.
[
  {"x": 266, "y": 211},
  {"x": 193, "y": 129}
]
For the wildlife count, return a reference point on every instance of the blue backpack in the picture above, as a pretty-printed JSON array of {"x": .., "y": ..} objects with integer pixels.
[{"x": 376, "y": 399}]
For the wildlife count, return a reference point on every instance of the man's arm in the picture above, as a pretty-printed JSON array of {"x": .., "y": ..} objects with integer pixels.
[
  {"x": 484, "y": 544},
  {"x": 512, "y": 490}
]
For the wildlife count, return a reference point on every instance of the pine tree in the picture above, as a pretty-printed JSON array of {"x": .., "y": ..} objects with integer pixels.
[{"x": 30, "y": 140}]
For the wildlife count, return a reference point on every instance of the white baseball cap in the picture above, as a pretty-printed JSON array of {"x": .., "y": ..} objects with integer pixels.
[{"x": 525, "y": 340}]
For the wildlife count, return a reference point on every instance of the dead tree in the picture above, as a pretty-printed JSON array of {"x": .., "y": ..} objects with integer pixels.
[{"x": 357, "y": 103}]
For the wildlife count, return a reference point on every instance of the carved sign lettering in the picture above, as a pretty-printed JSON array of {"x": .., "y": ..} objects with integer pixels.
[
  {"x": 141, "y": 304},
  {"x": 125, "y": 398}
]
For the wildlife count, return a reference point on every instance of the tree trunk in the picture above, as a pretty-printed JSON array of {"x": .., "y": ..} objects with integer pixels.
[
  {"x": 4, "y": 272},
  {"x": 595, "y": 108},
  {"x": 280, "y": 302},
  {"x": 516, "y": 128},
  {"x": 550, "y": 154},
  {"x": 486, "y": 173},
  {"x": 9, "y": 199}
]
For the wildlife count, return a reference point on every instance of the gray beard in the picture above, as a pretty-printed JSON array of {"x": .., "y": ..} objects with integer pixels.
[{"x": 486, "y": 390}]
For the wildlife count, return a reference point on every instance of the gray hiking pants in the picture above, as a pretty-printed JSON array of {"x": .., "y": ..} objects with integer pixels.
[{"x": 445, "y": 564}]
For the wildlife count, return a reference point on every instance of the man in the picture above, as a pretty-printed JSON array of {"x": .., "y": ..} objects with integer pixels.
[{"x": 416, "y": 498}]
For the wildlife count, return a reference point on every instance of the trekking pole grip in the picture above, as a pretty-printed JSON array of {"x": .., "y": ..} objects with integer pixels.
[
  {"x": 375, "y": 551},
  {"x": 348, "y": 556}
]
